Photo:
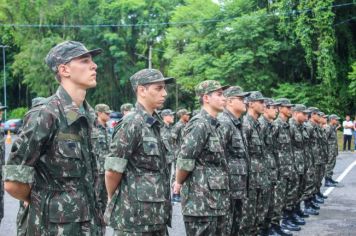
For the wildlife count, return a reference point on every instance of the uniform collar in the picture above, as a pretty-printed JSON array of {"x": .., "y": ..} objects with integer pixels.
[
  {"x": 232, "y": 117},
  {"x": 252, "y": 120},
  {"x": 71, "y": 110},
  {"x": 150, "y": 120},
  {"x": 212, "y": 121}
]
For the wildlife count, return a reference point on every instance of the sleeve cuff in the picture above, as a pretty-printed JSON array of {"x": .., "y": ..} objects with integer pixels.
[
  {"x": 20, "y": 173},
  {"x": 186, "y": 164},
  {"x": 115, "y": 164}
]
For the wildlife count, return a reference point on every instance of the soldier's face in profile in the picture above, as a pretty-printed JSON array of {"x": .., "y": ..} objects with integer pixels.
[
  {"x": 238, "y": 104},
  {"x": 81, "y": 71},
  {"x": 271, "y": 112},
  {"x": 258, "y": 106},
  {"x": 287, "y": 111},
  {"x": 154, "y": 94},
  {"x": 186, "y": 117},
  {"x": 216, "y": 100}
]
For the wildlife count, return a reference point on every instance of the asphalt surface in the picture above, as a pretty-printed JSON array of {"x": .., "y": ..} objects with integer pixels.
[{"x": 337, "y": 216}]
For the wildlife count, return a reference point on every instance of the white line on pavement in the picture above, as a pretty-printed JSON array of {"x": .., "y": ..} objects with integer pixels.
[{"x": 340, "y": 178}]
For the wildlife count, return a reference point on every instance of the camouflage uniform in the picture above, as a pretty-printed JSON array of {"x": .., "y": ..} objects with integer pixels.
[
  {"x": 205, "y": 193},
  {"x": 236, "y": 155},
  {"x": 2, "y": 163},
  {"x": 53, "y": 153},
  {"x": 271, "y": 165},
  {"x": 333, "y": 147},
  {"x": 166, "y": 134},
  {"x": 140, "y": 204},
  {"x": 287, "y": 169},
  {"x": 101, "y": 142},
  {"x": 258, "y": 181},
  {"x": 325, "y": 155}
]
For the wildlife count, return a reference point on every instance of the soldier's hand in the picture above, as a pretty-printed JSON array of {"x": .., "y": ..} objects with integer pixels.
[{"x": 176, "y": 187}]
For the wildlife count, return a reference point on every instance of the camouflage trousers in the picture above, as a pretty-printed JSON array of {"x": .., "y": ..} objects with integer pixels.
[
  {"x": 21, "y": 220},
  {"x": 302, "y": 182},
  {"x": 234, "y": 216},
  {"x": 205, "y": 226},
  {"x": 271, "y": 205},
  {"x": 309, "y": 183},
  {"x": 162, "y": 232},
  {"x": 330, "y": 166},
  {"x": 1, "y": 198},
  {"x": 319, "y": 175},
  {"x": 256, "y": 209}
]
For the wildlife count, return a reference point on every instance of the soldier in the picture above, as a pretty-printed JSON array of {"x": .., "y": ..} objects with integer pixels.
[
  {"x": 331, "y": 131},
  {"x": 51, "y": 166},
  {"x": 136, "y": 174},
  {"x": 325, "y": 147},
  {"x": 166, "y": 134},
  {"x": 258, "y": 181},
  {"x": 201, "y": 166},
  {"x": 271, "y": 224},
  {"x": 126, "y": 108},
  {"x": 101, "y": 142},
  {"x": 177, "y": 135},
  {"x": 296, "y": 123},
  {"x": 236, "y": 153},
  {"x": 287, "y": 171},
  {"x": 2, "y": 162},
  {"x": 313, "y": 131}
]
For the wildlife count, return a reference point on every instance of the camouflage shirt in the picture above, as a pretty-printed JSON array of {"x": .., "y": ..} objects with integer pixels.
[
  {"x": 308, "y": 157},
  {"x": 258, "y": 176},
  {"x": 2, "y": 162},
  {"x": 269, "y": 148},
  {"x": 324, "y": 145},
  {"x": 315, "y": 142},
  {"x": 331, "y": 134},
  {"x": 166, "y": 134},
  {"x": 141, "y": 202},
  {"x": 53, "y": 153},
  {"x": 101, "y": 142},
  {"x": 206, "y": 190},
  {"x": 177, "y": 133},
  {"x": 281, "y": 134},
  {"x": 236, "y": 153},
  {"x": 297, "y": 140}
]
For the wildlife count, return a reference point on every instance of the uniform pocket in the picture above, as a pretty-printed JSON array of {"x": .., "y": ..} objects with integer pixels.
[
  {"x": 69, "y": 161},
  {"x": 214, "y": 144},
  {"x": 218, "y": 186},
  {"x": 150, "y": 146},
  {"x": 152, "y": 202},
  {"x": 237, "y": 175}
]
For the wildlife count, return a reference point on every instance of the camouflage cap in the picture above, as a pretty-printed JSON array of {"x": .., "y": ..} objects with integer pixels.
[
  {"x": 271, "y": 102},
  {"x": 65, "y": 52},
  {"x": 167, "y": 112},
  {"x": 208, "y": 86},
  {"x": 126, "y": 107},
  {"x": 2, "y": 107},
  {"x": 102, "y": 108},
  {"x": 36, "y": 100},
  {"x": 300, "y": 108},
  {"x": 284, "y": 102},
  {"x": 235, "y": 91},
  {"x": 183, "y": 112},
  {"x": 148, "y": 76},
  {"x": 314, "y": 110},
  {"x": 333, "y": 116},
  {"x": 255, "y": 96},
  {"x": 321, "y": 113}
]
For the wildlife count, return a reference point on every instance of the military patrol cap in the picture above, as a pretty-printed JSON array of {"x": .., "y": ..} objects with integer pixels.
[
  {"x": 333, "y": 116},
  {"x": 167, "y": 112},
  {"x": 183, "y": 112},
  {"x": 284, "y": 102},
  {"x": 271, "y": 102},
  {"x": 208, "y": 86},
  {"x": 126, "y": 107},
  {"x": 255, "y": 96},
  {"x": 65, "y": 52},
  {"x": 314, "y": 110},
  {"x": 36, "y": 100},
  {"x": 300, "y": 108},
  {"x": 2, "y": 107},
  {"x": 322, "y": 114},
  {"x": 148, "y": 76},
  {"x": 102, "y": 108},
  {"x": 235, "y": 91}
]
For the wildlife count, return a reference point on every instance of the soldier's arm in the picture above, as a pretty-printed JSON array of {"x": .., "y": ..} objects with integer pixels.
[
  {"x": 19, "y": 170},
  {"x": 123, "y": 144},
  {"x": 192, "y": 146}
]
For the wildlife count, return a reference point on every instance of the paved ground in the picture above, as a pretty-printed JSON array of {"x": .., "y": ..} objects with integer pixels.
[{"x": 337, "y": 216}]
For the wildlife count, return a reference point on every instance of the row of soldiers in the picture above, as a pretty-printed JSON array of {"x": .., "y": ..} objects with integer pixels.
[{"x": 236, "y": 176}]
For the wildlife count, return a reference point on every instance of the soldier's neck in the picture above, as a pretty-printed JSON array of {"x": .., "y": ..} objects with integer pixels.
[
  {"x": 283, "y": 117},
  {"x": 148, "y": 108},
  {"x": 235, "y": 113},
  {"x": 210, "y": 110},
  {"x": 253, "y": 113},
  {"x": 101, "y": 122},
  {"x": 77, "y": 94}
]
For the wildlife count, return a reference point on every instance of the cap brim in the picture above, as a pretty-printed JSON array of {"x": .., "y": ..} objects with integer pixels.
[
  {"x": 93, "y": 53},
  {"x": 166, "y": 80}
]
